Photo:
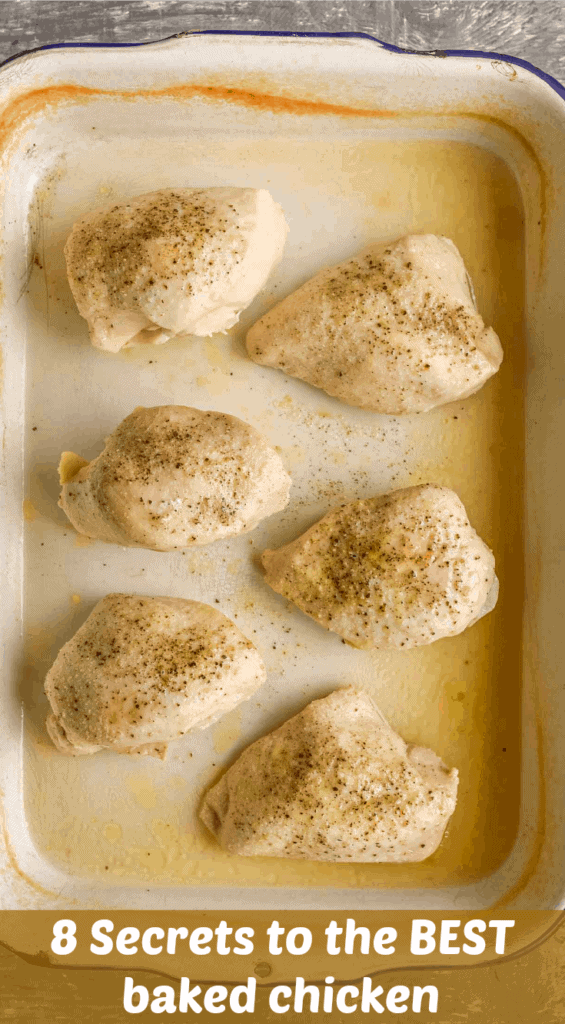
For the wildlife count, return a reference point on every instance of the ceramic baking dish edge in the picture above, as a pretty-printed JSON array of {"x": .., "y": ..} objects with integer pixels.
[{"x": 502, "y": 104}]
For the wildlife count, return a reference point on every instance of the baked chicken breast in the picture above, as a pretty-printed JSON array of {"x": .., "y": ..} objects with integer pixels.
[
  {"x": 395, "y": 329},
  {"x": 171, "y": 477},
  {"x": 143, "y": 671},
  {"x": 400, "y": 570},
  {"x": 334, "y": 783},
  {"x": 177, "y": 261}
]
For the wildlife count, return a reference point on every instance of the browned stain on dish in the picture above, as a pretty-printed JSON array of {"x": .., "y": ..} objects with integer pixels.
[{"x": 32, "y": 103}]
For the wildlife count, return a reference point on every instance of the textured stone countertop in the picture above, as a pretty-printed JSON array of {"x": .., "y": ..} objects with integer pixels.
[{"x": 532, "y": 30}]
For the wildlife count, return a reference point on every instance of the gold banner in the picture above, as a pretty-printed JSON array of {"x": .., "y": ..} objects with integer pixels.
[{"x": 56, "y": 966}]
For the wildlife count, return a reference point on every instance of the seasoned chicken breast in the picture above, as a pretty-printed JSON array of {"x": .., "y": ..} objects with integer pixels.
[
  {"x": 334, "y": 783},
  {"x": 142, "y": 671},
  {"x": 395, "y": 329},
  {"x": 182, "y": 260},
  {"x": 170, "y": 477},
  {"x": 400, "y": 570}
]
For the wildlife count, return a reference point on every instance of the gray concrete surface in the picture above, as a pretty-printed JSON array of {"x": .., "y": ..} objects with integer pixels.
[{"x": 532, "y": 29}]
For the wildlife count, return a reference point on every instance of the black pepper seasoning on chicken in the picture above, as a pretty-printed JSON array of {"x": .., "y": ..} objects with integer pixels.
[
  {"x": 400, "y": 570},
  {"x": 143, "y": 671},
  {"x": 171, "y": 477},
  {"x": 181, "y": 260},
  {"x": 334, "y": 783},
  {"x": 394, "y": 330}
]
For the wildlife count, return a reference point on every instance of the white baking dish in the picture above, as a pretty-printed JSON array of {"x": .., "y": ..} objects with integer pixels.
[{"x": 313, "y": 119}]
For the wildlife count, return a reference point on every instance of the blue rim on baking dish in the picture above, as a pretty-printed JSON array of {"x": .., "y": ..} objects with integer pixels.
[{"x": 518, "y": 62}]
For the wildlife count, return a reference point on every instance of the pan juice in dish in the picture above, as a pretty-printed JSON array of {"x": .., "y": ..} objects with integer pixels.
[{"x": 132, "y": 820}]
